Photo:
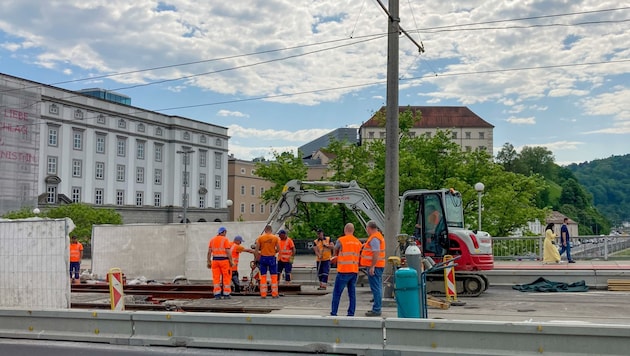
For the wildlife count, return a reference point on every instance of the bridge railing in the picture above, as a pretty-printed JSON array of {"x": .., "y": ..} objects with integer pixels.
[{"x": 583, "y": 247}]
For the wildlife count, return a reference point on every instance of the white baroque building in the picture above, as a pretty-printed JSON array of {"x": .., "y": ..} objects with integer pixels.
[{"x": 137, "y": 161}]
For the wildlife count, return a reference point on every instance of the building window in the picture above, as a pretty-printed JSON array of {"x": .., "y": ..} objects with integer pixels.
[
  {"x": 158, "y": 153},
  {"x": 218, "y": 142},
  {"x": 122, "y": 124},
  {"x": 77, "y": 140},
  {"x": 140, "y": 127},
  {"x": 157, "y": 199},
  {"x": 100, "y": 170},
  {"x": 52, "y": 165},
  {"x": 53, "y": 109},
  {"x": 140, "y": 149},
  {"x": 53, "y": 136},
  {"x": 428, "y": 134},
  {"x": 76, "y": 194},
  {"x": 242, "y": 190},
  {"x": 217, "y": 201},
  {"x": 139, "y": 174},
  {"x": 78, "y": 114},
  {"x": 262, "y": 191},
  {"x": 158, "y": 131},
  {"x": 100, "y": 143},
  {"x": 120, "y": 197},
  {"x": 381, "y": 134},
  {"x": 187, "y": 136},
  {"x": 242, "y": 208},
  {"x": 467, "y": 135},
  {"x": 121, "y": 146},
  {"x": 253, "y": 190},
  {"x": 242, "y": 170},
  {"x": 203, "y": 158},
  {"x": 100, "y": 119},
  {"x": 77, "y": 165},
  {"x": 217, "y": 182},
  {"x": 98, "y": 196},
  {"x": 157, "y": 177},
  {"x": 139, "y": 198},
  {"x": 120, "y": 172},
  {"x": 218, "y": 158},
  {"x": 262, "y": 208},
  {"x": 252, "y": 208},
  {"x": 202, "y": 139},
  {"x": 371, "y": 134},
  {"x": 482, "y": 148},
  {"x": 454, "y": 135},
  {"x": 412, "y": 134},
  {"x": 468, "y": 148},
  {"x": 51, "y": 194},
  {"x": 482, "y": 135},
  {"x": 202, "y": 201},
  {"x": 202, "y": 179}
]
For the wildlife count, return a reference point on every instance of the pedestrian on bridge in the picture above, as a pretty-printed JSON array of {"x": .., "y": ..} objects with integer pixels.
[
  {"x": 550, "y": 251},
  {"x": 347, "y": 251},
  {"x": 565, "y": 240}
]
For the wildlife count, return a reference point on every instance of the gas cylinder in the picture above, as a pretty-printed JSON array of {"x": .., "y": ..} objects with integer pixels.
[{"x": 407, "y": 293}]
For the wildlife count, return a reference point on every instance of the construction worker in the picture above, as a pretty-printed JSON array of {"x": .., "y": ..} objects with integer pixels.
[
  {"x": 237, "y": 248},
  {"x": 267, "y": 246},
  {"x": 76, "y": 255},
  {"x": 347, "y": 250},
  {"x": 373, "y": 258},
  {"x": 220, "y": 260},
  {"x": 285, "y": 256},
  {"x": 323, "y": 250}
]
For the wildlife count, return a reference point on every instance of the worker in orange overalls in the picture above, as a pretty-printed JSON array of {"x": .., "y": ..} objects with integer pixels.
[
  {"x": 267, "y": 246},
  {"x": 220, "y": 260},
  {"x": 285, "y": 256},
  {"x": 237, "y": 248},
  {"x": 76, "y": 255},
  {"x": 373, "y": 258},
  {"x": 347, "y": 250}
]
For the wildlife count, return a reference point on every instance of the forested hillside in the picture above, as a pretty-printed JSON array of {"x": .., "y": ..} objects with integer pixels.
[{"x": 608, "y": 180}]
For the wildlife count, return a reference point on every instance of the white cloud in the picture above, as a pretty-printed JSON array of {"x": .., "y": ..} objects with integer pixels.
[
  {"x": 555, "y": 146},
  {"x": 231, "y": 113},
  {"x": 521, "y": 121},
  {"x": 249, "y": 153},
  {"x": 301, "y": 136},
  {"x": 11, "y": 47}
]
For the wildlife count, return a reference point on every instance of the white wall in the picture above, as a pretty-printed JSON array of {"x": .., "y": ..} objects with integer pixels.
[
  {"x": 162, "y": 252},
  {"x": 34, "y": 263}
]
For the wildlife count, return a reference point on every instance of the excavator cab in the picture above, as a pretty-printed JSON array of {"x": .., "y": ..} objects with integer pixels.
[{"x": 431, "y": 224}]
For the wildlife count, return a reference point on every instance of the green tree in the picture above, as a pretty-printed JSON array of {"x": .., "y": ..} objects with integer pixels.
[
  {"x": 83, "y": 216},
  {"x": 284, "y": 167}
]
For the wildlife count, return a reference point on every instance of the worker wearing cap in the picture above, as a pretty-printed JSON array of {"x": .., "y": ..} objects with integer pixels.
[
  {"x": 237, "y": 248},
  {"x": 76, "y": 255},
  {"x": 323, "y": 251},
  {"x": 347, "y": 251},
  {"x": 267, "y": 246},
  {"x": 220, "y": 260},
  {"x": 285, "y": 256},
  {"x": 373, "y": 258}
]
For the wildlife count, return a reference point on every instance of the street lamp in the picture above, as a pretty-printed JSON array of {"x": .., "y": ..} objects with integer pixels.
[
  {"x": 185, "y": 202},
  {"x": 479, "y": 188},
  {"x": 229, "y": 203}
]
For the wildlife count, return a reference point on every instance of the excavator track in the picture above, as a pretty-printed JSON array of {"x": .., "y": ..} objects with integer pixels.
[{"x": 467, "y": 284}]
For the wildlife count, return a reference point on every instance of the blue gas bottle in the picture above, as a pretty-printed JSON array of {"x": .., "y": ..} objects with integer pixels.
[{"x": 407, "y": 294}]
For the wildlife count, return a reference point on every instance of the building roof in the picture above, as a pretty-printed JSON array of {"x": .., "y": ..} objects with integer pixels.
[
  {"x": 347, "y": 134},
  {"x": 438, "y": 117}
]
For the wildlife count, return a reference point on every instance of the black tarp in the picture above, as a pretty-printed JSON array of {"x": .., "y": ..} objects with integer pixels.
[{"x": 545, "y": 285}]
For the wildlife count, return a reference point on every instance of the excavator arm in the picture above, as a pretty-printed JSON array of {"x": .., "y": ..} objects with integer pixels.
[{"x": 355, "y": 198}]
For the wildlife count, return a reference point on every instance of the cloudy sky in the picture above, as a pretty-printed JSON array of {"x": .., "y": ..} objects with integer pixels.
[{"x": 279, "y": 73}]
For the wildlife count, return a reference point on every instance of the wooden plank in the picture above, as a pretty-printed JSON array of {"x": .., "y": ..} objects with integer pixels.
[{"x": 437, "y": 302}]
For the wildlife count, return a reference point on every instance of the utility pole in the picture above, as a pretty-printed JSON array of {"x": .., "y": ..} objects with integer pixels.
[
  {"x": 186, "y": 179},
  {"x": 391, "y": 143}
]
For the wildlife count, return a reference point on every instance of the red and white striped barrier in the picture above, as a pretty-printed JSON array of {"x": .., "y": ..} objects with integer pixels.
[{"x": 116, "y": 294}]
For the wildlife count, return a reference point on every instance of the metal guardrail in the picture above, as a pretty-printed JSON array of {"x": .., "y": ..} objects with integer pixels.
[{"x": 583, "y": 247}]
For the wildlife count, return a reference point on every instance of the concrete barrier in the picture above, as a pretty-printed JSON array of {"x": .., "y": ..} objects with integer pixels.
[{"x": 449, "y": 337}]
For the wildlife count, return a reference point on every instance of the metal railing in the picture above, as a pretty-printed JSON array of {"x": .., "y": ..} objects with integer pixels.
[{"x": 582, "y": 247}]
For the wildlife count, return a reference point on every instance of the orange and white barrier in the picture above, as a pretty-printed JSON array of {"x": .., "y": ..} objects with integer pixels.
[
  {"x": 116, "y": 294},
  {"x": 449, "y": 281}
]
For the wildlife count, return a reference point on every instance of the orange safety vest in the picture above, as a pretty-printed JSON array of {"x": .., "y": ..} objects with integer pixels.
[
  {"x": 348, "y": 257},
  {"x": 326, "y": 253},
  {"x": 219, "y": 246},
  {"x": 75, "y": 252},
  {"x": 367, "y": 254},
  {"x": 236, "y": 254},
  {"x": 286, "y": 250}
]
